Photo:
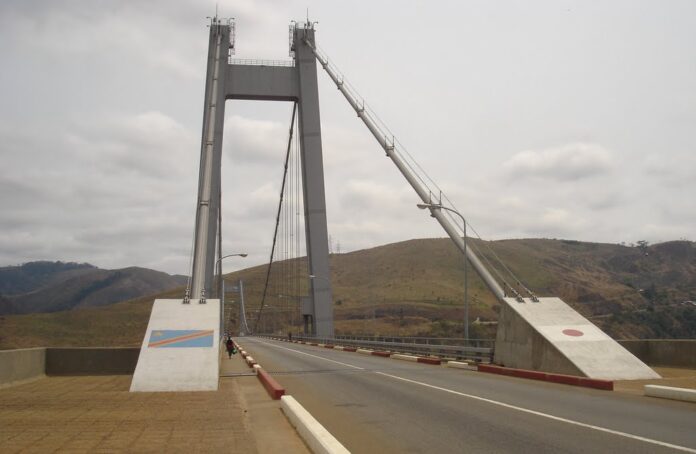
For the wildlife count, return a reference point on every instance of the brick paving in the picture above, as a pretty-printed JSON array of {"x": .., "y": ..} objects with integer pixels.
[{"x": 99, "y": 415}]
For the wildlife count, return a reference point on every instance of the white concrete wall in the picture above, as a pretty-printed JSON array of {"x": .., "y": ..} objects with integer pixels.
[
  {"x": 174, "y": 368},
  {"x": 19, "y": 366}
]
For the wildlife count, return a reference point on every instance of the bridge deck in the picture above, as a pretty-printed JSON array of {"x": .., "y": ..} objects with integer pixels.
[
  {"x": 98, "y": 414},
  {"x": 374, "y": 404}
]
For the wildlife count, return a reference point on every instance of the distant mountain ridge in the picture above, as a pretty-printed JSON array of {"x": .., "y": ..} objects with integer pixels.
[
  {"x": 16, "y": 280},
  {"x": 46, "y": 286}
]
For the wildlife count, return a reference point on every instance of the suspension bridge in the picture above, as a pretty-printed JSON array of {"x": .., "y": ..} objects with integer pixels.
[
  {"x": 364, "y": 395},
  {"x": 540, "y": 333}
]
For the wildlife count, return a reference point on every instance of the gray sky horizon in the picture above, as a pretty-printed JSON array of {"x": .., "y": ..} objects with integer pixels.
[{"x": 552, "y": 119}]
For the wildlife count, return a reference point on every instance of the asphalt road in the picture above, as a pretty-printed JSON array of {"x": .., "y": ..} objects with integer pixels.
[{"x": 373, "y": 404}]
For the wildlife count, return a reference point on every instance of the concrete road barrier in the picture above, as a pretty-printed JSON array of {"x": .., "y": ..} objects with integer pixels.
[
  {"x": 364, "y": 351},
  {"x": 668, "y": 392},
  {"x": 405, "y": 357},
  {"x": 606, "y": 385},
  {"x": 21, "y": 366},
  {"x": 319, "y": 440},
  {"x": 91, "y": 361},
  {"x": 339, "y": 347},
  {"x": 256, "y": 368},
  {"x": 433, "y": 361},
  {"x": 382, "y": 354},
  {"x": 349, "y": 349},
  {"x": 460, "y": 365},
  {"x": 274, "y": 389}
]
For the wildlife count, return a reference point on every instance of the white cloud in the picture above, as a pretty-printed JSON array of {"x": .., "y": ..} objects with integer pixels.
[
  {"x": 572, "y": 161},
  {"x": 102, "y": 106},
  {"x": 255, "y": 141}
]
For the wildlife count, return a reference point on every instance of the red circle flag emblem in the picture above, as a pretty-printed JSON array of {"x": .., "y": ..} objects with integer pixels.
[{"x": 573, "y": 332}]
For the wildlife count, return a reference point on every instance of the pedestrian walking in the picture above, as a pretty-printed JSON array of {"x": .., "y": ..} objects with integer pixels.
[{"x": 230, "y": 347}]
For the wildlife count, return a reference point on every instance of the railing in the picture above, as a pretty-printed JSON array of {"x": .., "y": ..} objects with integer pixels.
[
  {"x": 480, "y": 350},
  {"x": 256, "y": 62}
]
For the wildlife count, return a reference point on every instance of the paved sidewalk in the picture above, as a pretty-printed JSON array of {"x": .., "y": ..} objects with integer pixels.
[
  {"x": 98, "y": 414},
  {"x": 671, "y": 376}
]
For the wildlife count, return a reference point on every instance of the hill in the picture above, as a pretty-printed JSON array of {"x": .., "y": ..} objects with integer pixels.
[
  {"x": 56, "y": 286},
  {"x": 416, "y": 288},
  {"x": 16, "y": 280}
]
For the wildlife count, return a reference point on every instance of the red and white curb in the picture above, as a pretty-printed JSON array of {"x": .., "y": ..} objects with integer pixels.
[
  {"x": 606, "y": 385},
  {"x": 318, "y": 439},
  {"x": 272, "y": 387}
]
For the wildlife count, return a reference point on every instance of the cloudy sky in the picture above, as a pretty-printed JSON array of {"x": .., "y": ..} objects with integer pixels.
[{"x": 557, "y": 119}]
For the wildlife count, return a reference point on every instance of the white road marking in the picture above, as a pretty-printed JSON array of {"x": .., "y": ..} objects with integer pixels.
[
  {"x": 545, "y": 415},
  {"x": 309, "y": 354},
  {"x": 502, "y": 404}
]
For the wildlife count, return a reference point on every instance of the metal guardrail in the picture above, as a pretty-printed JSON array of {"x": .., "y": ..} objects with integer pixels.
[
  {"x": 256, "y": 62},
  {"x": 479, "y": 350}
]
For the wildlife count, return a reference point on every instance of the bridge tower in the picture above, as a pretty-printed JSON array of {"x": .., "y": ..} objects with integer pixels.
[{"x": 289, "y": 81}]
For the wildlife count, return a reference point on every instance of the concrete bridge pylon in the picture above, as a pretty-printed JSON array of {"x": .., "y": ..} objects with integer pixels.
[
  {"x": 286, "y": 81},
  {"x": 180, "y": 348}
]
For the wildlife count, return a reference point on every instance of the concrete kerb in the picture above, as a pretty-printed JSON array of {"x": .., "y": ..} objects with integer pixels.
[
  {"x": 364, "y": 351},
  {"x": 606, "y": 385},
  {"x": 405, "y": 357},
  {"x": 429, "y": 360},
  {"x": 273, "y": 387},
  {"x": 312, "y": 432},
  {"x": 460, "y": 365},
  {"x": 317, "y": 438},
  {"x": 669, "y": 392}
]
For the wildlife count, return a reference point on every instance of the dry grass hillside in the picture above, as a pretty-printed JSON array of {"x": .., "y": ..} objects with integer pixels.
[{"x": 416, "y": 288}]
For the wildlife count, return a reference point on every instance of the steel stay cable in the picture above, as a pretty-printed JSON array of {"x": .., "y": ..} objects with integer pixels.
[
  {"x": 411, "y": 162},
  {"x": 280, "y": 205}
]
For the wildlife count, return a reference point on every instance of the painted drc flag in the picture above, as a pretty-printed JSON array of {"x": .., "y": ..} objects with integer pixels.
[{"x": 175, "y": 338}]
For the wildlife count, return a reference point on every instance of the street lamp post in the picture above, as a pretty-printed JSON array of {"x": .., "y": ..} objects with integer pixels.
[
  {"x": 439, "y": 206},
  {"x": 221, "y": 284}
]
